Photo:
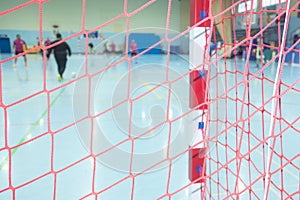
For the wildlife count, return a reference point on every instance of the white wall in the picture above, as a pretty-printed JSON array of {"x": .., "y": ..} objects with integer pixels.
[{"x": 68, "y": 15}]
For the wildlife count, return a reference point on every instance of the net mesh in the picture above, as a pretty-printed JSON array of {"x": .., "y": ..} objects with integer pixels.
[{"x": 252, "y": 125}]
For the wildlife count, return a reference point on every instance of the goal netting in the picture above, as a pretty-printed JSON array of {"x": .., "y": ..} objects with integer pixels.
[{"x": 154, "y": 125}]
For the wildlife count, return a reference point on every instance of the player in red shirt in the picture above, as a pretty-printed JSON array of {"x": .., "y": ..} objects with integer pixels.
[
  {"x": 47, "y": 43},
  {"x": 19, "y": 48},
  {"x": 133, "y": 49},
  {"x": 113, "y": 47}
]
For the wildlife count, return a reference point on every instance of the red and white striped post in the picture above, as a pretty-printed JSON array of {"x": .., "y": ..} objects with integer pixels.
[{"x": 198, "y": 93}]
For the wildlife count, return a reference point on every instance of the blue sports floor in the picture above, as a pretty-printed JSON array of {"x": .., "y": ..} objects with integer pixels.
[{"x": 59, "y": 152}]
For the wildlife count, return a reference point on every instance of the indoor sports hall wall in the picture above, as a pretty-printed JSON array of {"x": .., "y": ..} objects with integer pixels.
[
  {"x": 25, "y": 21},
  {"x": 97, "y": 12},
  {"x": 77, "y": 44}
]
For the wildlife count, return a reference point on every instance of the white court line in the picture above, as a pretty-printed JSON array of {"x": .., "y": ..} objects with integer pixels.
[
  {"x": 274, "y": 102},
  {"x": 273, "y": 161}
]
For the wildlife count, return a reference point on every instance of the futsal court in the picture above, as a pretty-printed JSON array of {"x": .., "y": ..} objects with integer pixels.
[{"x": 207, "y": 109}]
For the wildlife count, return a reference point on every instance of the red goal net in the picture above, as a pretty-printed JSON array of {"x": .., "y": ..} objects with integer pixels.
[{"x": 152, "y": 124}]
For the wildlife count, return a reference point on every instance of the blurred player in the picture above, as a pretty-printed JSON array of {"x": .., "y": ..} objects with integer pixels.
[
  {"x": 296, "y": 38},
  {"x": 133, "y": 49},
  {"x": 60, "y": 54},
  {"x": 19, "y": 45},
  {"x": 39, "y": 45},
  {"x": 101, "y": 36},
  {"x": 47, "y": 43},
  {"x": 91, "y": 47},
  {"x": 259, "y": 52},
  {"x": 113, "y": 47}
]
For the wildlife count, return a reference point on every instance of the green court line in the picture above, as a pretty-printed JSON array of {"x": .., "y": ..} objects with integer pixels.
[{"x": 36, "y": 123}]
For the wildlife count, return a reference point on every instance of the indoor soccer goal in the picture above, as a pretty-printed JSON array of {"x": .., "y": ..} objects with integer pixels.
[{"x": 223, "y": 119}]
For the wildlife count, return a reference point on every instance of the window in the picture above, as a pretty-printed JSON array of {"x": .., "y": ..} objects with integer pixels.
[
  {"x": 246, "y": 6},
  {"x": 266, "y": 3}
]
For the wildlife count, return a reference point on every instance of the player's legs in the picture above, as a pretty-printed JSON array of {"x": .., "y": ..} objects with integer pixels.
[
  {"x": 58, "y": 67},
  {"x": 25, "y": 60},
  {"x": 47, "y": 54},
  {"x": 134, "y": 54},
  {"x": 16, "y": 59},
  {"x": 61, "y": 66},
  {"x": 15, "y": 63}
]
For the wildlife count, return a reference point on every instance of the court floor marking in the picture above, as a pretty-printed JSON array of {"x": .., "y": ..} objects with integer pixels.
[
  {"x": 154, "y": 92},
  {"x": 259, "y": 151},
  {"x": 36, "y": 123}
]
